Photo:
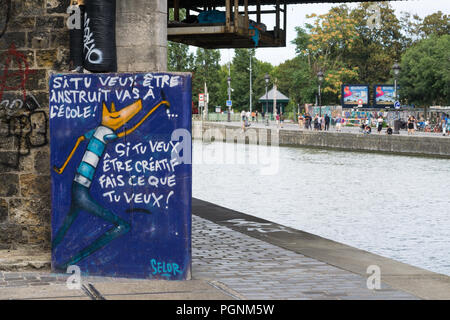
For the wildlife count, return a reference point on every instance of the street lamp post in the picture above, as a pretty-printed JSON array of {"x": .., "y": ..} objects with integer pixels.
[
  {"x": 229, "y": 98},
  {"x": 320, "y": 78},
  {"x": 267, "y": 79},
  {"x": 396, "y": 70}
]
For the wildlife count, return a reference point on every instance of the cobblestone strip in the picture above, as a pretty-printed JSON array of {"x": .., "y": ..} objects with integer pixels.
[{"x": 260, "y": 270}]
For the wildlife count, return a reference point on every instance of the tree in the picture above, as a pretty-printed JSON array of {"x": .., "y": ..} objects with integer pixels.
[
  {"x": 425, "y": 72},
  {"x": 260, "y": 69},
  {"x": 331, "y": 36},
  {"x": 330, "y": 40},
  {"x": 435, "y": 24},
  {"x": 207, "y": 70},
  {"x": 179, "y": 58},
  {"x": 240, "y": 78},
  {"x": 376, "y": 49},
  {"x": 295, "y": 80}
]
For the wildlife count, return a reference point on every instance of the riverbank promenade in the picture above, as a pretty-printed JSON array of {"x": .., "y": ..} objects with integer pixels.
[
  {"x": 238, "y": 257},
  {"x": 347, "y": 139},
  {"x": 290, "y": 125}
]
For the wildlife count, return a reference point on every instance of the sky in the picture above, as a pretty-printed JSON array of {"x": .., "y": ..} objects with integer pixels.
[{"x": 296, "y": 17}]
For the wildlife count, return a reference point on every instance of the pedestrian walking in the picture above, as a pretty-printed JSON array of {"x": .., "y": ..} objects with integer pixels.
[
  {"x": 308, "y": 121},
  {"x": 444, "y": 123},
  {"x": 448, "y": 124},
  {"x": 327, "y": 122},
  {"x": 338, "y": 123},
  {"x": 380, "y": 123},
  {"x": 410, "y": 125},
  {"x": 300, "y": 120},
  {"x": 243, "y": 116},
  {"x": 316, "y": 122}
]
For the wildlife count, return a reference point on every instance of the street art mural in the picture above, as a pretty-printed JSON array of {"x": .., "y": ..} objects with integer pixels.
[{"x": 121, "y": 180}]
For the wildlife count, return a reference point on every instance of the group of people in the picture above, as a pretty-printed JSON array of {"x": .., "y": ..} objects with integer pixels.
[
  {"x": 319, "y": 122},
  {"x": 323, "y": 122},
  {"x": 366, "y": 127},
  {"x": 246, "y": 116}
]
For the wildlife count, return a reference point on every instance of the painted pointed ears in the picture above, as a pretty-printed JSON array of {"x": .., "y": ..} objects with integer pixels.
[{"x": 106, "y": 110}]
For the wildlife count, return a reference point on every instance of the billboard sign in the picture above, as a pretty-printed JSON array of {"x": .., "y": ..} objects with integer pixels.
[
  {"x": 385, "y": 95},
  {"x": 352, "y": 95}
]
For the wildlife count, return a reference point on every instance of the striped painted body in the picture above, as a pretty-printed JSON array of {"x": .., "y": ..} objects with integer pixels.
[{"x": 98, "y": 137}]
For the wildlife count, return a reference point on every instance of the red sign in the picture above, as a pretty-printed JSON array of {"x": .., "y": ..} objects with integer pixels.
[{"x": 201, "y": 97}]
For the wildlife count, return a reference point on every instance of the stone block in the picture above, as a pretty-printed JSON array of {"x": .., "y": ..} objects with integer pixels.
[
  {"x": 37, "y": 80},
  {"x": 18, "y": 38},
  {"x": 38, "y": 39},
  {"x": 8, "y": 161},
  {"x": 39, "y": 234},
  {"x": 22, "y": 56},
  {"x": 49, "y": 23},
  {"x": 42, "y": 161},
  {"x": 57, "y": 6},
  {"x": 18, "y": 23},
  {"x": 9, "y": 233},
  {"x": 10, "y": 185},
  {"x": 33, "y": 212},
  {"x": 27, "y": 8},
  {"x": 3, "y": 210},
  {"x": 46, "y": 58},
  {"x": 35, "y": 186}
]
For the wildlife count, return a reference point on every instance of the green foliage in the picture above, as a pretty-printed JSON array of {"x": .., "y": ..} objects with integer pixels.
[
  {"x": 179, "y": 58},
  {"x": 207, "y": 70},
  {"x": 295, "y": 80},
  {"x": 435, "y": 24},
  {"x": 425, "y": 72}
]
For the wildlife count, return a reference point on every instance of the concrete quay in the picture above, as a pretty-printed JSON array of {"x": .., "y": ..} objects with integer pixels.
[
  {"x": 238, "y": 256},
  {"x": 349, "y": 139}
]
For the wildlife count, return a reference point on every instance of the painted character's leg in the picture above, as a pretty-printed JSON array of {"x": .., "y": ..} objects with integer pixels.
[
  {"x": 120, "y": 228},
  {"x": 69, "y": 219}
]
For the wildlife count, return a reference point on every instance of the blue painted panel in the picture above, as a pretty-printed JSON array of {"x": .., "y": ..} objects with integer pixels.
[{"x": 122, "y": 206}]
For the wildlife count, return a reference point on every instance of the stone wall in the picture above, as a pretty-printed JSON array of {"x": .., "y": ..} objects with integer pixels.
[
  {"x": 33, "y": 41},
  {"x": 396, "y": 144}
]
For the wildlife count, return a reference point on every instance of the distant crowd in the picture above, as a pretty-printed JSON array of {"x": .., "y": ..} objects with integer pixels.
[{"x": 323, "y": 123}]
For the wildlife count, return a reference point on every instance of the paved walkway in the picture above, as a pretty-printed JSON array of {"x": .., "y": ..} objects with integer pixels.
[
  {"x": 259, "y": 270},
  {"x": 226, "y": 264}
]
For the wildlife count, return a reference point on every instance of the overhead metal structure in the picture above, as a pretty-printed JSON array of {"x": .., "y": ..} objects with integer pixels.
[{"x": 216, "y": 24}]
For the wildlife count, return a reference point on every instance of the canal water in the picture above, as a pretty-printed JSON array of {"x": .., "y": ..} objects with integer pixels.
[{"x": 394, "y": 206}]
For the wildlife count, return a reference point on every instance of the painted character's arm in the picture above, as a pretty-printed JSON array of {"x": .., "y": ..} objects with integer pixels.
[
  {"x": 80, "y": 139},
  {"x": 163, "y": 102}
]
